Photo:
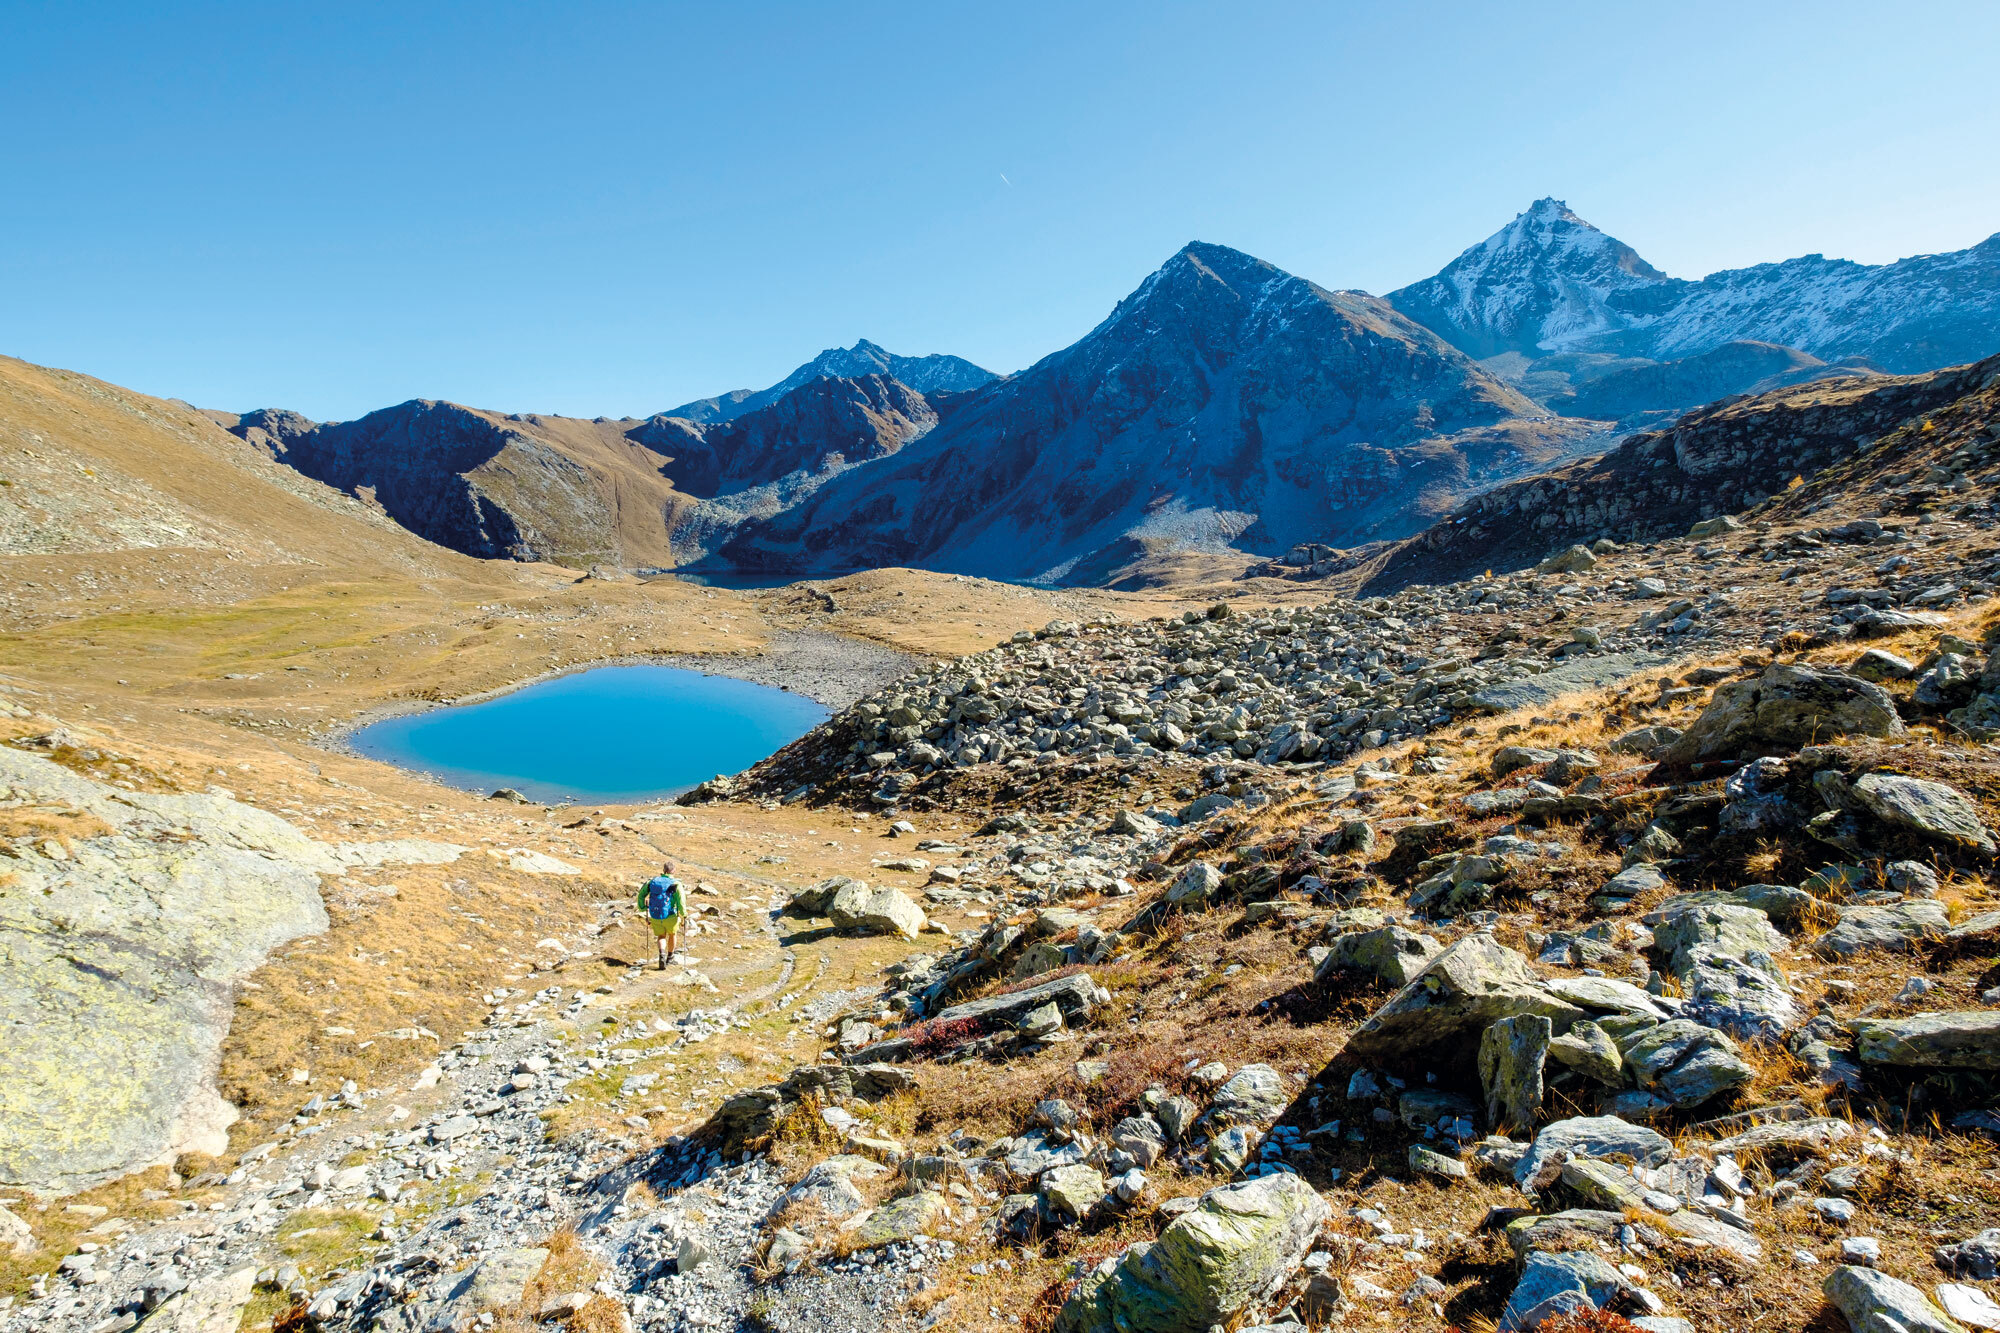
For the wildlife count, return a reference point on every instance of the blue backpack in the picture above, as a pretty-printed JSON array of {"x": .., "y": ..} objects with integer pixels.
[{"x": 663, "y": 897}]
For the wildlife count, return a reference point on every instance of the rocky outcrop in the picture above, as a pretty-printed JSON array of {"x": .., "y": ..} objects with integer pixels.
[
  {"x": 1783, "y": 709},
  {"x": 119, "y": 952},
  {"x": 1474, "y": 983}
]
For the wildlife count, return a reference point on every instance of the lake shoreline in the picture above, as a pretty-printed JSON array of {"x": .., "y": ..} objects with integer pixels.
[{"x": 830, "y": 669}]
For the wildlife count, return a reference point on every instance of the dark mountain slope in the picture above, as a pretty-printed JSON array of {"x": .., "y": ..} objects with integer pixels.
[
  {"x": 824, "y": 424},
  {"x": 1718, "y": 460},
  {"x": 1225, "y": 403}
]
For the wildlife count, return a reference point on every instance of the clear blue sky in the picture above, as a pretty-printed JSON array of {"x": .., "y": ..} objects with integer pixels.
[{"x": 603, "y": 209}]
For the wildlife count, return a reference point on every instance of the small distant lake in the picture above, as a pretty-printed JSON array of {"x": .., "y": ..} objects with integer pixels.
[
  {"x": 737, "y": 580},
  {"x": 614, "y": 734}
]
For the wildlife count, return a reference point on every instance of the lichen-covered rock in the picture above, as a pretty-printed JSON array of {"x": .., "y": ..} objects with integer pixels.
[
  {"x": 1392, "y": 953},
  {"x": 814, "y": 899},
  {"x": 1253, "y": 1095},
  {"x": 1743, "y": 932},
  {"x": 1554, "y": 1284},
  {"x": 1893, "y": 926},
  {"x": 1474, "y": 983},
  {"x": 1511, "y": 1054},
  {"x": 1589, "y": 1050},
  {"x": 1239, "y": 1245},
  {"x": 1930, "y": 808},
  {"x": 1784, "y": 709},
  {"x": 1968, "y": 1039},
  {"x": 1594, "y": 1136},
  {"x": 901, "y": 1220},
  {"x": 1873, "y": 1302},
  {"x": 1072, "y": 1191},
  {"x": 120, "y": 957},
  {"x": 1685, "y": 1062}
]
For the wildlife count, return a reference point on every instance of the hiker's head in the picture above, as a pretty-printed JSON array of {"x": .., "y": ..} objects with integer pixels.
[{"x": 667, "y": 868}]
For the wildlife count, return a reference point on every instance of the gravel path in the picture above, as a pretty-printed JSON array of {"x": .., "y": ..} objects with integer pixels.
[{"x": 480, "y": 1124}]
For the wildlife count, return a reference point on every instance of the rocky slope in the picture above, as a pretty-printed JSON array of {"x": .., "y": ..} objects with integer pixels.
[
  {"x": 934, "y": 374},
  {"x": 825, "y": 424},
  {"x": 1587, "y": 998},
  {"x": 1551, "y": 282},
  {"x": 506, "y": 487},
  {"x": 123, "y": 934},
  {"x": 1641, "y": 394},
  {"x": 1224, "y": 404},
  {"x": 1911, "y": 439}
]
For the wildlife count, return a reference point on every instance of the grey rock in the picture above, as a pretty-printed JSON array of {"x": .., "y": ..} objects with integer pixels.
[
  {"x": 1967, "y": 1039},
  {"x": 879, "y": 911},
  {"x": 1594, "y": 1136},
  {"x": 1546, "y": 1279},
  {"x": 1391, "y": 953},
  {"x": 1745, "y": 998},
  {"x": 1975, "y": 1257},
  {"x": 1511, "y": 1055},
  {"x": 1685, "y": 1062},
  {"x": 1784, "y": 709},
  {"x": 1074, "y": 995},
  {"x": 1930, "y": 808},
  {"x": 1472, "y": 984},
  {"x": 1253, "y": 1095},
  {"x": 1743, "y": 932},
  {"x": 1873, "y": 1302},
  {"x": 1896, "y": 926},
  {"x": 1587, "y": 1049},
  {"x": 1072, "y": 1191},
  {"x": 1238, "y": 1246}
]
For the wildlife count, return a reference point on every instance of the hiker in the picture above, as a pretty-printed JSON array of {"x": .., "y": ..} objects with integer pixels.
[{"x": 664, "y": 906}]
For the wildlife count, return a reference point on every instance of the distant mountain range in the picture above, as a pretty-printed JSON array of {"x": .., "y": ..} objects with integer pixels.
[
  {"x": 1549, "y": 282},
  {"x": 1226, "y": 409},
  {"x": 925, "y": 374}
]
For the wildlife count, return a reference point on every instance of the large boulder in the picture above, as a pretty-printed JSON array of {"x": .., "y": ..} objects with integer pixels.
[
  {"x": 1930, "y": 808},
  {"x": 1873, "y": 1302},
  {"x": 882, "y": 911},
  {"x": 1468, "y": 987},
  {"x": 815, "y": 899},
  {"x": 1966, "y": 1040},
  {"x": 1603, "y": 1136},
  {"x": 1782, "y": 710},
  {"x": 1239, "y": 1245},
  {"x": 1393, "y": 954}
]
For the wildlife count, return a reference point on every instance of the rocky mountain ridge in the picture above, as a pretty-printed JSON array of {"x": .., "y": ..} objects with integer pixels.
[
  {"x": 1551, "y": 282},
  {"x": 1224, "y": 404},
  {"x": 1208, "y": 419},
  {"x": 933, "y": 374}
]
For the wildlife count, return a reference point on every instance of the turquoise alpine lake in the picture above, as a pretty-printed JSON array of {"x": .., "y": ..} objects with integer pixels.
[{"x": 617, "y": 734}]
